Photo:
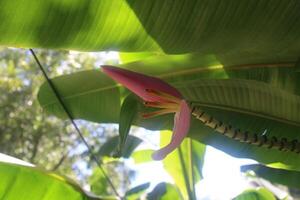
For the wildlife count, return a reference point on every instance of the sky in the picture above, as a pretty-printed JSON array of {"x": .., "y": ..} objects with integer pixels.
[
  {"x": 9, "y": 159},
  {"x": 222, "y": 176}
]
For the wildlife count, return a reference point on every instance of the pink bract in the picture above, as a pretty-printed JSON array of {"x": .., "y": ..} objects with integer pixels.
[
  {"x": 181, "y": 127},
  {"x": 164, "y": 94},
  {"x": 138, "y": 83}
]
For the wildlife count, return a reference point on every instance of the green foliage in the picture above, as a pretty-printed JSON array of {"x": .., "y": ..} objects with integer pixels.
[
  {"x": 111, "y": 147},
  {"x": 279, "y": 176},
  {"x": 184, "y": 164},
  {"x": 142, "y": 156},
  {"x": 164, "y": 191},
  {"x": 98, "y": 182},
  {"x": 253, "y": 44},
  {"x": 127, "y": 115},
  {"x": 91, "y": 92},
  {"x": 117, "y": 172},
  {"x": 132, "y": 57},
  {"x": 170, "y": 26},
  {"x": 136, "y": 192},
  {"x": 256, "y": 194},
  {"x": 23, "y": 183}
]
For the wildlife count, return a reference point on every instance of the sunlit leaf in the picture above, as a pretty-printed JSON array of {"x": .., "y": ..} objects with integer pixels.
[
  {"x": 212, "y": 27},
  {"x": 133, "y": 57},
  {"x": 23, "y": 183},
  {"x": 256, "y": 194},
  {"x": 184, "y": 164},
  {"x": 142, "y": 156}
]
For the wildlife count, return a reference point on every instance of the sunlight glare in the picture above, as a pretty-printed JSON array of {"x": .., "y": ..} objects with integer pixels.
[
  {"x": 222, "y": 177},
  {"x": 12, "y": 160}
]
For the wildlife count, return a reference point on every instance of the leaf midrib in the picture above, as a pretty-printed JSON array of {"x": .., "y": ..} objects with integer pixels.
[
  {"x": 84, "y": 93},
  {"x": 189, "y": 71}
]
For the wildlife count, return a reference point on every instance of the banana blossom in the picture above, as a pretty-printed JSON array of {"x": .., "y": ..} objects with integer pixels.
[{"x": 157, "y": 94}]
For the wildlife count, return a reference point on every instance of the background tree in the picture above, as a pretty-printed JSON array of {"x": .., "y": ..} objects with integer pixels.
[{"x": 28, "y": 133}]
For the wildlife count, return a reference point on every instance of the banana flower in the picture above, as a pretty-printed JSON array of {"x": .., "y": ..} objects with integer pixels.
[{"x": 157, "y": 94}]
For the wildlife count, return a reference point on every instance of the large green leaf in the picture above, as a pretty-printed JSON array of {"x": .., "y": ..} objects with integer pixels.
[
  {"x": 76, "y": 24},
  {"x": 279, "y": 176},
  {"x": 23, "y": 183},
  {"x": 184, "y": 164},
  {"x": 223, "y": 28}
]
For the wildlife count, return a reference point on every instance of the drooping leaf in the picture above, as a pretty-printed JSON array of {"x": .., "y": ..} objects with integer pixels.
[
  {"x": 136, "y": 192},
  {"x": 110, "y": 148},
  {"x": 142, "y": 156},
  {"x": 164, "y": 191},
  {"x": 127, "y": 115},
  {"x": 184, "y": 164},
  {"x": 24, "y": 182},
  {"x": 284, "y": 177},
  {"x": 256, "y": 194}
]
